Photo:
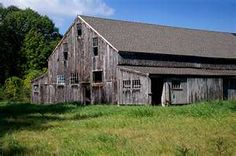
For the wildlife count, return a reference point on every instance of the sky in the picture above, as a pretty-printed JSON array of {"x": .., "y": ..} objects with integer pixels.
[{"x": 213, "y": 15}]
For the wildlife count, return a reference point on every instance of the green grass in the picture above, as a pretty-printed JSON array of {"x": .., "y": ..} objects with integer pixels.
[{"x": 69, "y": 129}]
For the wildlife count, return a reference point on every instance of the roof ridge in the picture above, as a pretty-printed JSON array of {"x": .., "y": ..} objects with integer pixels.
[{"x": 151, "y": 38}]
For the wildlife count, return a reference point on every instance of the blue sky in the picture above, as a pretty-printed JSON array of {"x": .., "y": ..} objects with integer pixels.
[{"x": 216, "y": 15}]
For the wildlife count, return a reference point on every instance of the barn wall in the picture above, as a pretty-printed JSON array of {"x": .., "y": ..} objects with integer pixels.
[
  {"x": 81, "y": 60},
  {"x": 195, "y": 89},
  {"x": 174, "y": 90},
  {"x": 229, "y": 89},
  {"x": 199, "y": 89},
  {"x": 40, "y": 86},
  {"x": 178, "y": 95},
  {"x": 133, "y": 95}
]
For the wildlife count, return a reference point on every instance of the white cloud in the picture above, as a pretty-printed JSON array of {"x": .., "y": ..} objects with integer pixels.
[
  {"x": 64, "y": 7},
  {"x": 62, "y": 10}
]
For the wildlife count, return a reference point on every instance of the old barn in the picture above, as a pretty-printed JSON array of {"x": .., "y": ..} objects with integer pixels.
[{"x": 110, "y": 61}]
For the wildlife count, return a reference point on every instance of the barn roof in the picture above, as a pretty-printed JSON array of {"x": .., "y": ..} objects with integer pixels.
[
  {"x": 150, "y": 38},
  {"x": 179, "y": 71}
]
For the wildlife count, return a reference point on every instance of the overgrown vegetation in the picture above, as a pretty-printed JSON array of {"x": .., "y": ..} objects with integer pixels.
[
  {"x": 26, "y": 41},
  {"x": 71, "y": 129}
]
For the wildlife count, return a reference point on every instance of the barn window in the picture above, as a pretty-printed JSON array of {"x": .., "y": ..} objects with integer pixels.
[
  {"x": 65, "y": 55},
  {"x": 36, "y": 88},
  {"x": 176, "y": 84},
  {"x": 65, "y": 51},
  {"x": 136, "y": 84},
  {"x": 74, "y": 79},
  {"x": 126, "y": 84},
  {"x": 60, "y": 79},
  {"x": 79, "y": 29},
  {"x": 95, "y": 46},
  {"x": 97, "y": 76}
]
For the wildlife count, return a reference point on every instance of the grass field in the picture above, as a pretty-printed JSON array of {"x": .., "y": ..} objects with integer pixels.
[{"x": 67, "y": 129}]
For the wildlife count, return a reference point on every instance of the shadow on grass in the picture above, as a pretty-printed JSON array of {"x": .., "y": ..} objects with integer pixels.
[
  {"x": 14, "y": 148},
  {"x": 25, "y": 116}
]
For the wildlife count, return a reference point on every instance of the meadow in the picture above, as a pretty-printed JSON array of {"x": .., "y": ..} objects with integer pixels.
[{"x": 207, "y": 128}]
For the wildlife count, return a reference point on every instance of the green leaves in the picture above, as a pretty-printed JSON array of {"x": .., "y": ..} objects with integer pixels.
[
  {"x": 13, "y": 88},
  {"x": 26, "y": 40}
]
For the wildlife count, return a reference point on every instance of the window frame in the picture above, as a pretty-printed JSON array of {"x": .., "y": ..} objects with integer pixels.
[
  {"x": 95, "y": 46},
  {"x": 95, "y": 80},
  {"x": 176, "y": 85},
  {"x": 61, "y": 79},
  {"x": 36, "y": 88},
  {"x": 74, "y": 78},
  {"x": 79, "y": 29},
  {"x": 136, "y": 84},
  {"x": 65, "y": 51},
  {"x": 127, "y": 84}
]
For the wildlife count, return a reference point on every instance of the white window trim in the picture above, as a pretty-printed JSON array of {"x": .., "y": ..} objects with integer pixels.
[{"x": 60, "y": 79}]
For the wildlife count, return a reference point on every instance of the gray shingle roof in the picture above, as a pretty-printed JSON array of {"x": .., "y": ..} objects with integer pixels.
[
  {"x": 149, "y": 38},
  {"x": 180, "y": 71}
]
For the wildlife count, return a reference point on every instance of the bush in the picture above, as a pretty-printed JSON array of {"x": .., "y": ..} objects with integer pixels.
[
  {"x": 17, "y": 89},
  {"x": 32, "y": 74},
  {"x": 13, "y": 89}
]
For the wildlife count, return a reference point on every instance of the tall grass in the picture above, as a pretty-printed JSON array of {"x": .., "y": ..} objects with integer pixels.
[{"x": 71, "y": 129}]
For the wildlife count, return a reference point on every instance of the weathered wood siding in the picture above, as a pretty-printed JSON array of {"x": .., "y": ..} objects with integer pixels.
[
  {"x": 229, "y": 88},
  {"x": 37, "y": 94},
  {"x": 194, "y": 89},
  {"x": 162, "y": 60},
  {"x": 178, "y": 96},
  {"x": 133, "y": 95},
  {"x": 81, "y": 60},
  {"x": 199, "y": 89}
]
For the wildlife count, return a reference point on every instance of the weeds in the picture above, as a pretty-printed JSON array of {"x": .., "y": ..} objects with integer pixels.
[
  {"x": 73, "y": 129},
  {"x": 82, "y": 116},
  {"x": 221, "y": 146},
  {"x": 142, "y": 112}
]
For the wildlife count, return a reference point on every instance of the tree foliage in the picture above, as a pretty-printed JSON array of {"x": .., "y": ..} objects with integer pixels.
[
  {"x": 27, "y": 81},
  {"x": 24, "y": 34},
  {"x": 13, "y": 88},
  {"x": 26, "y": 41}
]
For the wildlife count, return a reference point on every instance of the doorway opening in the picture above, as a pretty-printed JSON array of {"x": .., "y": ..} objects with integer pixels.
[
  {"x": 225, "y": 89},
  {"x": 156, "y": 88},
  {"x": 86, "y": 94}
]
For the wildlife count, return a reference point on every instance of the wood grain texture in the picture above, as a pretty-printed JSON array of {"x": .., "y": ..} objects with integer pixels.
[{"x": 82, "y": 61}]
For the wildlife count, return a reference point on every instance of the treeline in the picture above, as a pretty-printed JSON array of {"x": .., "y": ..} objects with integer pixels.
[{"x": 26, "y": 41}]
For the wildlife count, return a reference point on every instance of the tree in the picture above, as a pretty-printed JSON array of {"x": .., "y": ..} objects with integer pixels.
[
  {"x": 13, "y": 89},
  {"x": 36, "y": 50},
  {"x": 17, "y": 28}
]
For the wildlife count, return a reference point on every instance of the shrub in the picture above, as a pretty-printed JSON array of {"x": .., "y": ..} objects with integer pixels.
[
  {"x": 27, "y": 83},
  {"x": 13, "y": 89}
]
